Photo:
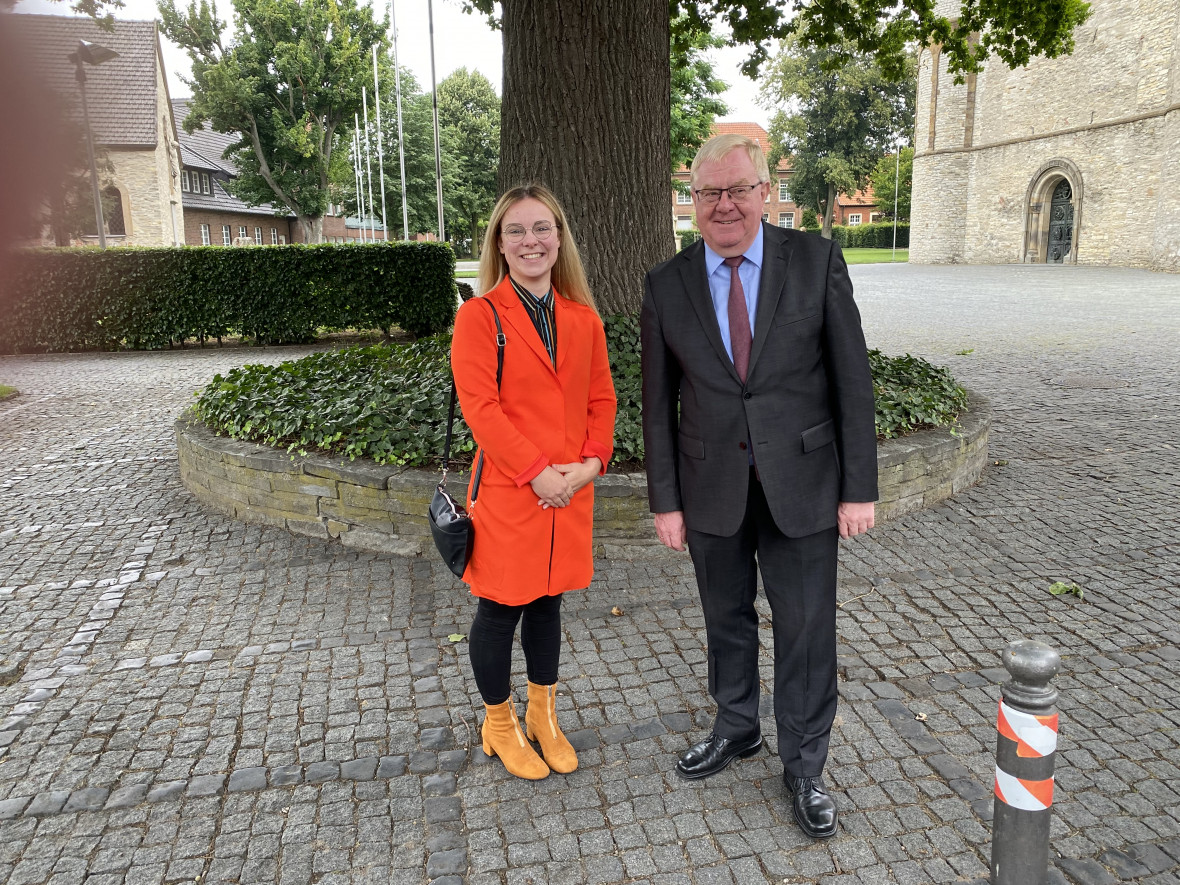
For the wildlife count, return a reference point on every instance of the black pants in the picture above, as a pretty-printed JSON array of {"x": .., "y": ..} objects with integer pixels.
[
  {"x": 490, "y": 644},
  {"x": 799, "y": 575}
]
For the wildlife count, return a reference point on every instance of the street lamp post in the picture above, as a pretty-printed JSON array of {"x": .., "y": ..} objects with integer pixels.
[{"x": 89, "y": 53}]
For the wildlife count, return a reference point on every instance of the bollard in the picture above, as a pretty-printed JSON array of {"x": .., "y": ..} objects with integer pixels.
[{"x": 1026, "y": 745}]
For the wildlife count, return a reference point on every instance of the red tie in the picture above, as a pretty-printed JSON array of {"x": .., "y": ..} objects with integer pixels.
[{"x": 739, "y": 319}]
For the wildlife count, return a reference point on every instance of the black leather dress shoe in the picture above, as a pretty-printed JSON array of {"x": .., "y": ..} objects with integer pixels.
[
  {"x": 815, "y": 810},
  {"x": 714, "y": 753}
]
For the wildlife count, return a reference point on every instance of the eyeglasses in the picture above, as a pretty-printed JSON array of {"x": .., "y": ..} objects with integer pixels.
[
  {"x": 737, "y": 193},
  {"x": 514, "y": 233}
]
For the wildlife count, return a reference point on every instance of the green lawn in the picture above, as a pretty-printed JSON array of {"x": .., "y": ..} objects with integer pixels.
[
  {"x": 875, "y": 256},
  {"x": 6, "y": 391},
  {"x": 466, "y": 274}
]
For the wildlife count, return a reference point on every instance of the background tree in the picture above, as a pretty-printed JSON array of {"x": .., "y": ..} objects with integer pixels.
[
  {"x": 838, "y": 115},
  {"x": 286, "y": 82},
  {"x": 418, "y": 131},
  {"x": 587, "y": 91},
  {"x": 469, "y": 113},
  {"x": 696, "y": 91},
  {"x": 891, "y": 169}
]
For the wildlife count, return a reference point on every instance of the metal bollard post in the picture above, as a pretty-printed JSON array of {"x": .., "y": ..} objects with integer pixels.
[{"x": 1026, "y": 749}]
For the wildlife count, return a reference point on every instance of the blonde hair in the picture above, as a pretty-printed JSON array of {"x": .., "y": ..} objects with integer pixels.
[
  {"x": 568, "y": 275},
  {"x": 719, "y": 146}
]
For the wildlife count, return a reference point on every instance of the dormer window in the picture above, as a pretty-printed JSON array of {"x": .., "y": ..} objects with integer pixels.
[
  {"x": 204, "y": 182},
  {"x": 184, "y": 185}
]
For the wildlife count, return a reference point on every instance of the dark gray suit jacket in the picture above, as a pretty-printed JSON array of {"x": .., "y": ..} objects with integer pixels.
[{"x": 807, "y": 405}]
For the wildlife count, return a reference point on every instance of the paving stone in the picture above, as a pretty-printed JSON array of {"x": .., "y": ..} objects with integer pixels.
[{"x": 277, "y": 655}]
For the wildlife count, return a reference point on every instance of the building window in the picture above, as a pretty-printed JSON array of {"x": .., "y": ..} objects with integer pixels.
[
  {"x": 242, "y": 232},
  {"x": 786, "y": 219},
  {"x": 113, "y": 210},
  {"x": 204, "y": 182},
  {"x": 874, "y": 217},
  {"x": 274, "y": 236},
  {"x": 784, "y": 195},
  {"x": 684, "y": 222},
  {"x": 227, "y": 238},
  {"x": 283, "y": 240},
  {"x": 683, "y": 198},
  {"x": 184, "y": 185},
  {"x": 854, "y": 219},
  {"x": 205, "y": 235},
  {"x": 766, "y": 216},
  {"x": 258, "y": 236}
]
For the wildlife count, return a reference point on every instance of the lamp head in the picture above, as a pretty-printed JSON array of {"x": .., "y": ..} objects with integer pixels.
[{"x": 93, "y": 53}]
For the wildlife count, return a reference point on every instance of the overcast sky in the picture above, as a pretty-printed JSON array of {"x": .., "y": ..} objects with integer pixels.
[{"x": 459, "y": 40}]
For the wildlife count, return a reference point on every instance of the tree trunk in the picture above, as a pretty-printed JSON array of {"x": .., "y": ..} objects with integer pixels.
[
  {"x": 312, "y": 229},
  {"x": 586, "y": 111},
  {"x": 829, "y": 211}
]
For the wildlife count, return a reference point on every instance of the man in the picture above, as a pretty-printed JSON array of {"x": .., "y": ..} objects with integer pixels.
[{"x": 758, "y": 422}]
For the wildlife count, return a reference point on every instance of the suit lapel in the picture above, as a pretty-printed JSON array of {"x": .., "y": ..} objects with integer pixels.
[
  {"x": 696, "y": 284},
  {"x": 518, "y": 324},
  {"x": 776, "y": 260}
]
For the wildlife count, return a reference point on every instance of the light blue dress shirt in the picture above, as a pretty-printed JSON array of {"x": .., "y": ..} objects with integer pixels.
[{"x": 750, "y": 273}]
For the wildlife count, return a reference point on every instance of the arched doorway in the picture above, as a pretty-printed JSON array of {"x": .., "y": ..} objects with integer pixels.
[
  {"x": 1060, "y": 244},
  {"x": 1053, "y": 213}
]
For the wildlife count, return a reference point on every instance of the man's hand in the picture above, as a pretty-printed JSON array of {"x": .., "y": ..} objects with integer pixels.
[
  {"x": 855, "y": 517},
  {"x": 552, "y": 488},
  {"x": 580, "y": 473},
  {"x": 670, "y": 529}
]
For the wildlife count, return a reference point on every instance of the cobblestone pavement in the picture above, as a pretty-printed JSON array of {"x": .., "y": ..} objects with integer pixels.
[{"x": 190, "y": 699}]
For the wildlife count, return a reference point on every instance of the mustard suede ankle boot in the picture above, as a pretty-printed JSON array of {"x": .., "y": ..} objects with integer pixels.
[
  {"x": 540, "y": 722},
  {"x": 502, "y": 737}
]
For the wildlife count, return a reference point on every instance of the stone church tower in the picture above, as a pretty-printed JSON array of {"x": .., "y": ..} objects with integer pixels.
[{"x": 1072, "y": 160}]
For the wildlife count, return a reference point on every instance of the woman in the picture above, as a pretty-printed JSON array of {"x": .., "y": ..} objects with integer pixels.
[{"x": 545, "y": 435}]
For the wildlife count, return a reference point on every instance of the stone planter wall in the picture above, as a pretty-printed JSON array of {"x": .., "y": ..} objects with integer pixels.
[{"x": 379, "y": 508}]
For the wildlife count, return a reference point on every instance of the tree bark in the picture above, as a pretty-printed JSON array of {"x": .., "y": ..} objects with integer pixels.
[
  {"x": 829, "y": 211},
  {"x": 586, "y": 111}
]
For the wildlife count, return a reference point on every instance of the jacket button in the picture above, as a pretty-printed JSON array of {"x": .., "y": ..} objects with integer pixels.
[
  {"x": 742, "y": 446},
  {"x": 747, "y": 395}
]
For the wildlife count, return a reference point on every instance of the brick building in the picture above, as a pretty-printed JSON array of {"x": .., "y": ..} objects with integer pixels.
[
  {"x": 130, "y": 118},
  {"x": 1067, "y": 160},
  {"x": 215, "y": 217}
]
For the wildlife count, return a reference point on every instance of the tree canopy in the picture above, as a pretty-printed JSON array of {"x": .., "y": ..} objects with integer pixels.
[
  {"x": 469, "y": 113},
  {"x": 285, "y": 82},
  {"x": 695, "y": 94},
  {"x": 837, "y": 117},
  {"x": 890, "y": 170}
]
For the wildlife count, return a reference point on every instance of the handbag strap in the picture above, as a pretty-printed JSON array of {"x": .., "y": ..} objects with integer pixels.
[{"x": 500, "y": 342}]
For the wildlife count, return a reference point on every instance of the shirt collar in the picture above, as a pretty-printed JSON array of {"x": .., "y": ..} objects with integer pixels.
[
  {"x": 545, "y": 300},
  {"x": 753, "y": 254}
]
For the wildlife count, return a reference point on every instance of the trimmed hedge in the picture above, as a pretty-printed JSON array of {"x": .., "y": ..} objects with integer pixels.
[
  {"x": 872, "y": 236},
  {"x": 688, "y": 237},
  {"x": 389, "y": 402},
  {"x": 143, "y": 298}
]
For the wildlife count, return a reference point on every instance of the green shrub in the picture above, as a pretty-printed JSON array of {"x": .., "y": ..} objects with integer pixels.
[
  {"x": 389, "y": 402},
  {"x": 688, "y": 237},
  {"x": 911, "y": 394},
  {"x": 385, "y": 402},
  {"x": 871, "y": 236},
  {"x": 142, "y": 298}
]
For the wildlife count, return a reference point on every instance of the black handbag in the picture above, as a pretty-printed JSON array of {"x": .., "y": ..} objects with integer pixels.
[{"x": 450, "y": 524}]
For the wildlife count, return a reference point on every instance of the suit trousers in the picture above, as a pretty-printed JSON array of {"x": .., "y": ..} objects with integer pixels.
[{"x": 799, "y": 577}]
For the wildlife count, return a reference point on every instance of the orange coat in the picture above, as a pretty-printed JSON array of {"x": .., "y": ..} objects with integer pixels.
[{"x": 540, "y": 416}]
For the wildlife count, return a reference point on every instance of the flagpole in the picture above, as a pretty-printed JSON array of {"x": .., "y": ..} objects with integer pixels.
[
  {"x": 360, "y": 181},
  {"x": 380, "y": 148},
  {"x": 442, "y": 234},
  {"x": 368, "y": 162},
  {"x": 401, "y": 142}
]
